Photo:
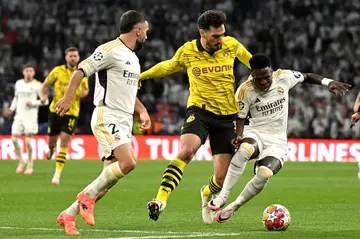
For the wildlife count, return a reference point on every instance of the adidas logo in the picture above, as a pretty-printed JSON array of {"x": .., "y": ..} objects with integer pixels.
[
  {"x": 257, "y": 100},
  {"x": 127, "y": 63}
]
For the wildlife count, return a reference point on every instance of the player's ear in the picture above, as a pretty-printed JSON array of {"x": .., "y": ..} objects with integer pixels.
[{"x": 202, "y": 32}]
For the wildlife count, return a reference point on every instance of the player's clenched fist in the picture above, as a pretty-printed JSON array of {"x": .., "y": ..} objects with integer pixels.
[
  {"x": 62, "y": 106},
  {"x": 236, "y": 142},
  {"x": 145, "y": 121}
]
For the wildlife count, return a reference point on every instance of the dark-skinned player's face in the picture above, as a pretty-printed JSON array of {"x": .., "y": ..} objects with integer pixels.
[
  {"x": 213, "y": 37},
  {"x": 262, "y": 78}
]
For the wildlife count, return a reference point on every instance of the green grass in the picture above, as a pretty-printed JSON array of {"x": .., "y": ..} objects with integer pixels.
[{"x": 323, "y": 199}]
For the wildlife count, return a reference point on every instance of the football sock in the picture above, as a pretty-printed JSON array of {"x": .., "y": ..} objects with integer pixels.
[
  {"x": 236, "y": 168},
  {"x": 60, "y": 161},
  {"x": 171, "y": 179},
  {"x": 18, "y": 150},
  {"x": 212, "y": 188},
  {"x": 29, "y": 151},
  {"x": 74, "y": 209},
  {"x": 109, "y": 177},
  {"x": 255, "y": 185}
]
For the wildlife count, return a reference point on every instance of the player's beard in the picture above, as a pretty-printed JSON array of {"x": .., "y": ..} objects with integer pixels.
[{"x": 139, "y": 44}]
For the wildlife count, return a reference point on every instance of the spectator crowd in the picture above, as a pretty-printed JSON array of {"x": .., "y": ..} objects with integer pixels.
[{"x": 319, "y": 36}]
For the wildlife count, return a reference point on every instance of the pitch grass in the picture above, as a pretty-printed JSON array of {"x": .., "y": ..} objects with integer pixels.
[{"x": 323, "y": 199}]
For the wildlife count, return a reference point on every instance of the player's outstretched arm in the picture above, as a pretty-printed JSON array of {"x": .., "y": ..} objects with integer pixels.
[
  {"x": 240, "y": 122},
  {"x": 334, "y": 87},
  {"x": 356, "y": 116},
  {"x": 64, "y": 104},
  {"x": 144, "y": 115},
  {"x": 165, "y": 68}
]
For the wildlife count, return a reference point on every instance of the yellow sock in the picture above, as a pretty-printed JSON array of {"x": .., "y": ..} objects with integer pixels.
[
  {"x": 212, "y": 188},
  {"x": 171, "y": 179},
  {"x": 60, "y": 159}
]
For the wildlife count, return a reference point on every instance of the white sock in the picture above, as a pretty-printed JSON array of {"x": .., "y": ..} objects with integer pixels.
[
  {"x": 18, "y": 150},
  {"x": 109, "y": 176},
  {"x": 236, "y": 168},
  {"x": 73, "y": 210},
  {"x": 254, "y": 186},
  {"x": 57, "y": 174},
  {"x": 30, "y": 150}
]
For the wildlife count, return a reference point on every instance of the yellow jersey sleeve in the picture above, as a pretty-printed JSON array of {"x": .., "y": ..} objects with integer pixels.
[
  {"x": 242, "y": 53},
  {"x": 165, "y": 68},
  {"x": 50, "y": 79}
]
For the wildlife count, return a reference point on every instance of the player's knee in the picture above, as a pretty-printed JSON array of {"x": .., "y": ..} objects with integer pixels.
[
  {"x": 127, "y": 166},
  {"x": 28, "y": 140},
  {"x": 14, "y": 138},
  {"x": 187, "y": 152},
  {"x": 247, "y": 149},
  {"x": 271, "y": 163}
]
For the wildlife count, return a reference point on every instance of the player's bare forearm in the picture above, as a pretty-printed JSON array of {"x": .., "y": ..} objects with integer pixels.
[
  {"x": 44, "y": 89},
  {"x": 161, "y": 69},
  {"x": 74, "y": 83},
  {"x": 357, "y": 104},
  {"x": 334, "y": 87},
  {"x": 240, "y": 126},
  {"x": 139, "y": 106}
]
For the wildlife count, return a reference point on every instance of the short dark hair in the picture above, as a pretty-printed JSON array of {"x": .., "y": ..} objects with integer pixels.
[
  {"x": 211, "y": 18},
  {"x": 260, "y": 61},
  {"x": 28, "y": 65},
  {"x": 129, "y": 19},
  {"x": 72, "y": 48}
]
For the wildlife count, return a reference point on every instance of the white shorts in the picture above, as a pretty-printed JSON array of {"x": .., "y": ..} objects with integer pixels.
[
  {"x": 21, "y": 128},
  {"x": 269, "y": 145},
  {"x": 111, "y": 128}
]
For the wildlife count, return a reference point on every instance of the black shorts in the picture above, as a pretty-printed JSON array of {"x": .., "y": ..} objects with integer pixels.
[
  {"x": 220, "y": 128},
  {"x": 57, "y": 124}
]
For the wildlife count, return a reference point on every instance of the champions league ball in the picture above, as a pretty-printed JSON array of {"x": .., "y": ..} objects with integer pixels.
[{"x": 276, "y": 218}]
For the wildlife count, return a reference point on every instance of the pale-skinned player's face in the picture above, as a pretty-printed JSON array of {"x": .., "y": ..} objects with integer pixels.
[
  {"x": 28, "y": 73},
  {"x": 72, "y": 58},
  {"x": 141, "y": 34},
  {"x": 213, "y": 37},
  {"x": 262, "y": 78}
]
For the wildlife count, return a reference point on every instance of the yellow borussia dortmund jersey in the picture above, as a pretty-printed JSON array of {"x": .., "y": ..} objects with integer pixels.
[
  {"x": 60, "y": 77},
  {"x": 211, "y": 77}
]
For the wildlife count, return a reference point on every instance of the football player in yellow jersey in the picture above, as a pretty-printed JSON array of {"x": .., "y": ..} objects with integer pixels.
[
  {"x": 63, "y": 127},
  {"x": 211, "y": 109}
]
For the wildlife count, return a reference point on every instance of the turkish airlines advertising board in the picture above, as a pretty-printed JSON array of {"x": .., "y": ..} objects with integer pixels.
[{"x": 85, "y": 147}]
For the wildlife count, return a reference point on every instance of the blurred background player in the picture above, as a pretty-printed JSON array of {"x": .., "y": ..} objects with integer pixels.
[
  {"x": 355, "y": 118},
  {"x": 117, "y": 70},
  {"x": 26, "y": 105},
  {"x": 211, "y": 108},
  {"x": 265, "y": 95},
  {"x": 63, "y": 127}
]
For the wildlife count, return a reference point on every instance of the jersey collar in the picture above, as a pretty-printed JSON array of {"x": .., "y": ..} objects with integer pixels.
[
  {"x": 201, "y": 48},
  {"x": 125, "y": 45}
]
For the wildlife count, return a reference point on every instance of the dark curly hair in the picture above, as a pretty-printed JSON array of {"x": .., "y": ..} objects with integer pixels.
[{"x": 211, "y": 18}]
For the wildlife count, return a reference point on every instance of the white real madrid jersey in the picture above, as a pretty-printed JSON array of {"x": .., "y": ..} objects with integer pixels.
[
  {"x": 117, "y": 70},
  {"x": 268, "y": 110},
  {"x": 26, "y": 92}
]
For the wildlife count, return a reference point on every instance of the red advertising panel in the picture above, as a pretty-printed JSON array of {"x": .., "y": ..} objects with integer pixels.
[{"x": 166, "y": 147}]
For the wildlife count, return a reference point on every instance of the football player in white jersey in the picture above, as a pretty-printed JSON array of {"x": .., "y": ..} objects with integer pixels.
[
  {"x": 26, "y": 106},
  {"x": 117, "y": 70},
  {"x": 265, "y": 96},
  {"x": 355, "y": 118}
]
